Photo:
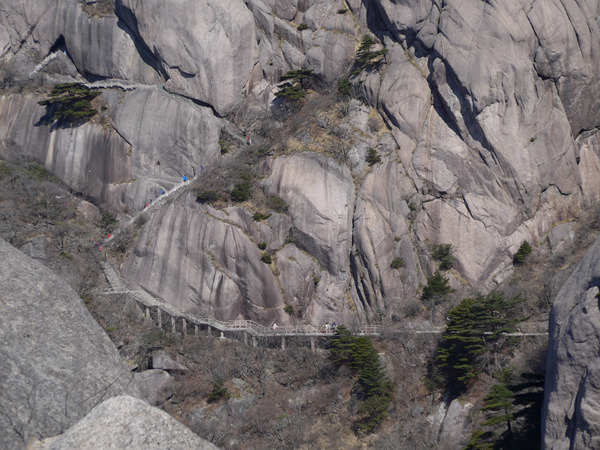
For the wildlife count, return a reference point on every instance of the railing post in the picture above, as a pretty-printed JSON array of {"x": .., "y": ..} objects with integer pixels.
[
  {"x": 184, "y": 326},
  {"x": 159, "y": 315},
  {"x": 208, "y": 333},
  {"x": 254, "y": 343},
  {"x": 282, "y": 342},
  {"x": 222, "y": 335},
  {"x": 147, "y": 312},
  {"x": 172, "y": 324},
  {"x": 312, "y": 344},
  {"x": 195, "y": 328},
  {"x": 245, "y": 337}
]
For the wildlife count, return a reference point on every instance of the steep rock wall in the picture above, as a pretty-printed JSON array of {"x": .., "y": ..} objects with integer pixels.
[
  {"x": 154, "y": 139},
  {"x": 570, "y": 414},
  {"x": 57, "y": 363}
]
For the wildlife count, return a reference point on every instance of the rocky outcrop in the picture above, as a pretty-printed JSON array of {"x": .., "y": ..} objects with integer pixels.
[
  {"x": 126, "y": 422},
  {"x": 207, "y": 49},
  {"x": 57, "y": 363},
  {"x": 199, "y": 260},
  {"x": 154, "y": 139},
  {"x": 155, "y": 385},
  {"x": 491, "y": 112},
  {"x": 570, "y": 414}
]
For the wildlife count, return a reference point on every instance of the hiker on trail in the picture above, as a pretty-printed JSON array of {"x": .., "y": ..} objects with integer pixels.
[
  {"x": 275, "y": 327},
  {"x": 333, "y": 325},
  {"x": 184, "y": 178},
  {"x": 327, "y": 327},
  {"x": 201, "y": 169},
  {"x": 248, "y": 140},
  {"x": 146, "y": 204},
  {"x": 162, "y": 192}
]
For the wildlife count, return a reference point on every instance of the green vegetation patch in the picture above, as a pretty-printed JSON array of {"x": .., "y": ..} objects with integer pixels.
[
  {"x": 277, "y": 204},
  {"x": 523, "y": 252},
  {"x": 296, "y": 85},
  {"x": 473, "y": 336},
  {"x": 207, "y": 197},
  {"x": 372, "y": 157},
  {"x": 443, "y": 254},
  {"x": 397, "y": 263},
  {"x": 373, "y": 389},
  {"x": 70, "y": 104}
]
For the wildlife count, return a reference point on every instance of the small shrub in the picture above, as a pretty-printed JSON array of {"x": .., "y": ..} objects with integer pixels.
[
  {"x": 412, "y": 206},
  {"x": 523, "y": 252},
  {"x": 242, "y": 191},
  {"x": 266, "y": 258},
  {"x": 219, "y": 392},
  {"x": 302, "y": 27},
  {"x": 344, "y": 88},
  {"x": 397, "y": 263},
  {"x": 37, "y": 172},
  {"x": 443, "y": 254},
  {"x": 316, "y": 280},
  {"x": 65, "y": 255},
  {"x": 289, "y": 310},
  {"x": 207, "y": 197},
  {"x": 437, "y": 286},
  {"x": 372, "y": 157},
  {"x": 262, "y": 245},
  {"x": 108, "y": 220},
  {"x": 258, "y": 216},
  {"x": 224, "y": 146},
  {"x": 5, "y": 170},
  {"x": 342, "y": 11},
  {"x": 291, "y": 237},
  {"x": 278, "y": 204}
]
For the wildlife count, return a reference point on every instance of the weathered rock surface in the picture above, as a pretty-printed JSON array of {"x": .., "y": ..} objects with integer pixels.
[
  {"x": 570, "y": 413},
  {"x": 162, "y": 360},
  {"x": 156, "y": 138},
  {"x": 493, "y": 108},
  {"x": 155, "y": 385},
  {"x": 203, "y": 264},
  {"x": 57, "y": 363},
  {"x": 320, "y": 195},
  {"x": 207, "y": 49},
  {"x": 126, "y": 422}
]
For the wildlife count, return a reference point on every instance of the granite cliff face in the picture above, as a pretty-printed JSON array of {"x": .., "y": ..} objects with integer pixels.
[
  {"x": 570, "y": 416},
  {"x": 57, "y": 363},
  {"x": 490, "y": 113}
]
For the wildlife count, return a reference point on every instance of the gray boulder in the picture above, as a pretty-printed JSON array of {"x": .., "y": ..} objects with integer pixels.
[
  {"x": 570, "y": 415},
  {"x": 162, "y": 360},
  {"x": 57, "y": 363},
  {"x": 126, "y": 422},
  {"x": 155, "y": 385}
]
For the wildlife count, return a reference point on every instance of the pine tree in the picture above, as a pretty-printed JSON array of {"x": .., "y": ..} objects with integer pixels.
[
  {"x": 513, "y": 414},
  {"x": 475, "y": 329},
  {"x": 340, "y": 345},
  {"x": 295, "y": 87},
  {"x": 437, "y": 287},
  {"x": 70, "y": 103}
]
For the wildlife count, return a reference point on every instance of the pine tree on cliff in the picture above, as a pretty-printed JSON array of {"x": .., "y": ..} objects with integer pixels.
[{"x": 474, "y": 334}]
